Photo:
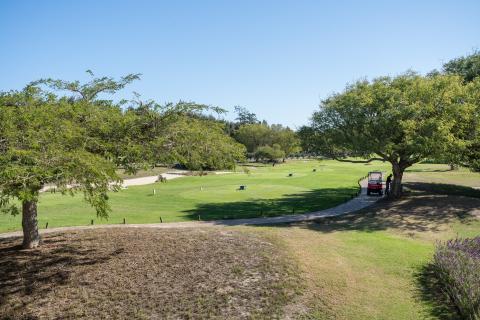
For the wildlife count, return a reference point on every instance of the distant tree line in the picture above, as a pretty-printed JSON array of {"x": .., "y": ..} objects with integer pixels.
[{"x": 262, "y": 141}]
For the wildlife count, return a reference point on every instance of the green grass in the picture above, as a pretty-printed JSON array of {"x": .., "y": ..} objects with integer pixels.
[
  {"x": 441, "y": 174},
  {"x": 376, "y": 264},
  {"x": 269, "y": 192}
]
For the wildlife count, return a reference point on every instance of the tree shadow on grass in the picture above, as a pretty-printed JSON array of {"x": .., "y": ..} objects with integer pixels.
[
  {"x": 425, "y": 208},
  {"x": 442, "y": 188},
  {"x": 35, "y": 272},
  {"x": 419, "y": 213},
  {"x": 427, "y": 170},
  {"x": 309, "y": 201}
]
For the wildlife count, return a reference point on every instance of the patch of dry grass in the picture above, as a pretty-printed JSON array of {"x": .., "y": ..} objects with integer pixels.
[{"x": 145, "y": 273}]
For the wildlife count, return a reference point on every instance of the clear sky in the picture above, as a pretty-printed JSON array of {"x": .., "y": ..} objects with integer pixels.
[{"x": 276, "y": 58}]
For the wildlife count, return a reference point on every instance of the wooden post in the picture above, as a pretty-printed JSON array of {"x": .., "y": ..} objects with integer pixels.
[
  {"x": 124, "y": 222},
  {"x": 198, "y": 217},
  {"x": 161, "y": 221},
  {"x": 91, "y": 222},
  {"x": 46, "y": 226}
]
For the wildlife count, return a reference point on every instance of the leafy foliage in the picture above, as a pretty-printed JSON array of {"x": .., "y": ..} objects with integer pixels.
[
  {"x": 458, "y": 267},
  {"x": 468, "y": 67},
  {"x": 269, "y": 153},
  {"x": 198, "y": 144},
  {"x": 244, "y": 116},
  {"x": 90, "y": 90},
  {"x": 401, "y": 120},
  {"x": 45, "y": 140},
  {"x": 258, "y": 135}
]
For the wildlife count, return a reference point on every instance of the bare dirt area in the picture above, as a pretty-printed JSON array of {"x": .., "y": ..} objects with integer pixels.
[{"x": 145, "y": 273}]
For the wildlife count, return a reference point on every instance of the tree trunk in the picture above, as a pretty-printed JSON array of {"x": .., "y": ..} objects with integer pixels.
[
  {"x": 396, "y": 187},
  {"x": 31, "y": 237}
]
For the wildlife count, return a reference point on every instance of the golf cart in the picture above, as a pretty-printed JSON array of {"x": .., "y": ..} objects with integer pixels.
[{"x": 375, "y": 183}]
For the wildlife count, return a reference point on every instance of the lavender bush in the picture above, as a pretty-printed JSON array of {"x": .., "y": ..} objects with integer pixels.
[{"x": 458, "y": 268}]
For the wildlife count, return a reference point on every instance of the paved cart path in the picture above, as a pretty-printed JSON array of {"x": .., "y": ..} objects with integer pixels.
[{"x": 360, "y": 202}]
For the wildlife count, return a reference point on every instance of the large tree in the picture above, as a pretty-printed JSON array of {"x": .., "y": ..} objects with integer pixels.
[
  {"x": 46, "y": 140},
  {"x": 77, "y": 142},
  {"x": 401, "y": 120},
  {"x": 468, "y": 67}
]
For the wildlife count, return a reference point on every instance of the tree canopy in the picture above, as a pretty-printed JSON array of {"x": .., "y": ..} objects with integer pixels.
[
  {"x": 244, "y": 116},
  {"x": 270, "y": 153},
  {"x": 258, "y": 135},
  {"x": 468, "y": 67},
  {"x": 77, "y": 142},
  {"x": 401, "y": 120}
]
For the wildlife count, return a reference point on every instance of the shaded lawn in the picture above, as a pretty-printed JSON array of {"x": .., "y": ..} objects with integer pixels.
[
  {"x": 144, "y": 274},
  {"x": 269, "y": 192},
  {"x": 375, "y": 264},
  {"x": 441, "y": 174}
]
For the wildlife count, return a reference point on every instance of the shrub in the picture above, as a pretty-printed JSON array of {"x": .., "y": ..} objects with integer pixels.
[{"x": 457, "y": 263}]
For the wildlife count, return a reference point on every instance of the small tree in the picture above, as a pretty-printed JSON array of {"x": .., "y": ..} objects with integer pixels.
[
  {"x": 253, "y": 136},
  {"x": 287, "y": 139},
  {"x": 401, "y": 120},
  {"x": 273, "y": 153}
]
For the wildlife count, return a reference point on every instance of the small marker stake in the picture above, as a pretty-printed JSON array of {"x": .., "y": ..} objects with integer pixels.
[
  {"x": 91, "y": 222},
  {"x": 161, "y": 221},
  {"x": 124, "y": 221},
  {"x": 46, "y": 226},
  {"x": 154, "y": 191},
  {"x": 198, "y": 217}
]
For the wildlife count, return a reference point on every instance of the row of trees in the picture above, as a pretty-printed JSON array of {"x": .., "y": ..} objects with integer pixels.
[
  {"x": 270, "y": 142},
  {"x": 263, "y": 141},
  {"x": 403, "y": 119},
  {"x": 78, "y": 141}
]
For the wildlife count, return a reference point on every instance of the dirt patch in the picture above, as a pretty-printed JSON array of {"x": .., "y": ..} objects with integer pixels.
[{"x": 145, "y": 273}]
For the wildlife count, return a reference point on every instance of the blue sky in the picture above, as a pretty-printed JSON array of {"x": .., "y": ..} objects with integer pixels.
[{"x": 276, "y": 58}]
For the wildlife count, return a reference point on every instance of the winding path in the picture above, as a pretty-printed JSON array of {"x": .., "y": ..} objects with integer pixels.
[{"x": 358, "y": 203}]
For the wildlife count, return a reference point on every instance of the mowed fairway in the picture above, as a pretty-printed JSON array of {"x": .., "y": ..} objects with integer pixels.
[{"x": 270, "y": 191}]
